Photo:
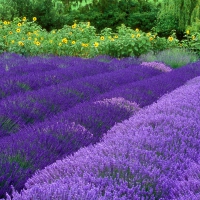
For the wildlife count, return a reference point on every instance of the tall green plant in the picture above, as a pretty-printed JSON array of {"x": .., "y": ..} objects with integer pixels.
[{"x": 184, "y": 12}]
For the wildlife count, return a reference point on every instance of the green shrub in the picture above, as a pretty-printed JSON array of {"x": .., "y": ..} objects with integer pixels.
[
  {"x": 80, "y": 39},
  {"x": 166, "y": 23},
  {"x": 175, "y": 57}
]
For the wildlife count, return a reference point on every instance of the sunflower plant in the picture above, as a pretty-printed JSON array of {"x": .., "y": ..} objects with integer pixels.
[
  {"x": 79, "y": 39},
  {"x": 191, "y": 41}
]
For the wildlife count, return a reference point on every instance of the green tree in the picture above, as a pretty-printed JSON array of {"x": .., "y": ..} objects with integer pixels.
[{"x": 178, "y": 14}]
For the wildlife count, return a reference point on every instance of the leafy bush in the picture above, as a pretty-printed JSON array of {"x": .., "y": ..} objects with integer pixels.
[
  {"x": 192, "y": 40},
  {"x": 80, "y": 39},
  {"x": 145, "y": 21},
  {"x": 176, "y": 57},
  {"x": 166, "y": 23}
]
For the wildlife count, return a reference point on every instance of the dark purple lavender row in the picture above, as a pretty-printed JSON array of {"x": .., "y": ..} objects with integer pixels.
[
  {"x": 11, "y": 60},
  {"x": 115, "y": 62},
  {"x": 150, "y": 90},
  {"x": 153, "y": 155},
  {"x": 13, "y": 64},
  {"x": 19, "y": 110},
  {"x": 35, "y": 80},
  {"x": 35, "y": 147},
  {"x": 98, "y": 117}
]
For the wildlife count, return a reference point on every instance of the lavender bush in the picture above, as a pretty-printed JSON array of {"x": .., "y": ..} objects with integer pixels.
[
  {"x": 56, "y": 138},
  {"x": 85, "y": 109},
  {"x": 153, "y": 155},
  {"x": 97, "y": 117},
  {"x": 150, "y": 90},
  {"x": 33, "y": 106},
  {"x": 157, "y": 65},
  {"x": 11, "y": 85}
]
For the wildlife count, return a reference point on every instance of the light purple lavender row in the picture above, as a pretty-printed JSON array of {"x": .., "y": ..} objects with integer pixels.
[
  {"x": 153, "y": 155},
  {"x": 35, "y": 147},
  {"x": 11, "y": 60},
  {"x": 150, "y": 90},
  {"x": 10, "y": 85},
  {"x": 19, "y": 110},
  {"x": 157, "y": 65}
]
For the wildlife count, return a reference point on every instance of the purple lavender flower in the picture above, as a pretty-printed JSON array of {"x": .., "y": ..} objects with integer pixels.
[
  {"x": 57, "y": 137},
  {"x": 147, "y": 91},
  {"x": 157, "y": 65},
  {"x": 10, "y": 85},
  {"x": 153, "y": 155},
  {"x": 19, "y": 110}
]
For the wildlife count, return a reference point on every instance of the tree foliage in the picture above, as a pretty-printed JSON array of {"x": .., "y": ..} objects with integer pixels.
[
  {"x": 133, "y": 13},
  {"x": 177, "y": 14}
]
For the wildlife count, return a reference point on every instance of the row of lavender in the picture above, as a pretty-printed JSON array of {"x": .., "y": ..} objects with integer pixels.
[
  {"x": 57, "y": 137},
  {"x": 153, "y": 155},
  {"x": 17, "y": 111},
  {"x": 34, "y": 73},
  {"x": 14, "y": 64}
]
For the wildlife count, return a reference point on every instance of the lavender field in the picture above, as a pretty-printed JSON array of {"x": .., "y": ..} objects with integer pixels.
[{"x": 98, "y": 128}]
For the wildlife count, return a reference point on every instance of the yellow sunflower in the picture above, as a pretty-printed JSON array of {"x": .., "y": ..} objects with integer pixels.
[
  {"x": 64, "y": 40},
  {"x": 38, "y": 43},
  {"x": 20, "y": 43},
  {"x": 102, "y": 38},
  {"x": 74, "y": 26},
  {"x": 170, "y": 38},
  {"x": 96, "y": 44},
  {"x": 151, "y": 38},
  {"x": 138, "y": 35}
]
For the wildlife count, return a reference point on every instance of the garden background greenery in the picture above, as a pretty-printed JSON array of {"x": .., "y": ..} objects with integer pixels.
[{"x": 86, "y": 28}]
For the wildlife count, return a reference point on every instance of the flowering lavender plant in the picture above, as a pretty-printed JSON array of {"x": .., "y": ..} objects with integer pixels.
[
  {"x": 19, "y": 110},
  {"x": 157, "y": 65},
  {"x": 153, "y": 155}
]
